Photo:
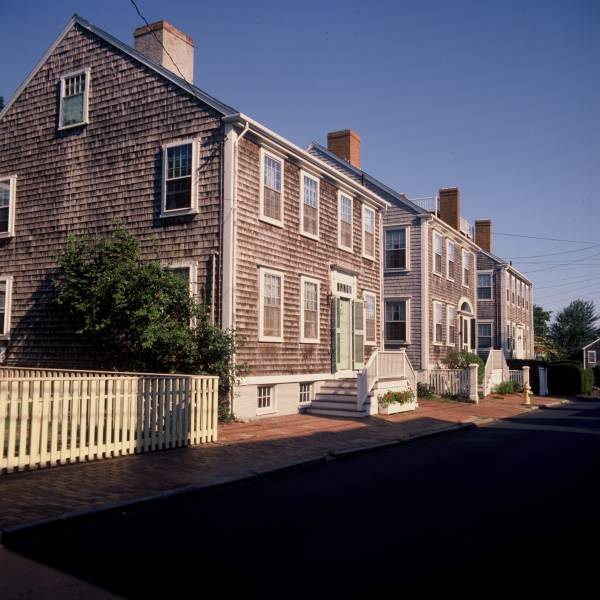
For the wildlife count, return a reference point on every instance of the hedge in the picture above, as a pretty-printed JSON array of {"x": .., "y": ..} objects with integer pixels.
[
  {"x": 596, "y": 370},
  {"x": 566, "y": 378}
]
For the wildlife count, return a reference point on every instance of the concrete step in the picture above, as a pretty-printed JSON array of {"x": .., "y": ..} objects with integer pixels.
[
  {"x": 333, "y": 405},
  {"x": 340, "y": 385},
  {"x": 334, "y": 392},
  {"x": 351, "y": 399}
]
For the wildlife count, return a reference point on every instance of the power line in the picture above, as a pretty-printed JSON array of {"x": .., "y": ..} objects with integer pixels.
[
  {"x": 565, "y": 264},
  {"x": 563, "y": 294},
  {"x": 551, "y": 254},
  {"x": 534, "y": 237},
  {"x": 568, "y": 281},
  {"x": 156, "y": 37}
]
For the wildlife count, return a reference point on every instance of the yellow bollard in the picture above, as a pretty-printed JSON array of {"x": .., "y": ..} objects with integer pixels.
[{"x": 526, "y": 395}]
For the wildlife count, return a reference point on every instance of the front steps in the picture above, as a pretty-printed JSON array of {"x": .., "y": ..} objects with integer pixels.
[{"x": 338, "y": 398}]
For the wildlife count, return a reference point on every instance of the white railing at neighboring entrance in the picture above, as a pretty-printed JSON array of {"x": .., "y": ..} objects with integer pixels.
[
  {"x": 495, "y": 362},
  {"x": 49, "y": 418},
  {"x": 384, "y": 364},
  {"x": 516, "y": 375},
  {"x": 450, "y": 382}
]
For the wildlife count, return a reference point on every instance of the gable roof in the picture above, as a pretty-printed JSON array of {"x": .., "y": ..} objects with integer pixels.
[
  {"x": 365, "y": 179},
  {"x": 505, "y": 263},
  {"x": 219, "y": 106},
  {"x": 591, "y": 344}
]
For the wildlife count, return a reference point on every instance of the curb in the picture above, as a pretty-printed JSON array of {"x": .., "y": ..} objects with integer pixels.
[{"x": 199, "y": 490}]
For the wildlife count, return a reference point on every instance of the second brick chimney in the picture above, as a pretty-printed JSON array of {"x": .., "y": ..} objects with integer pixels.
[
  {"x": 346, "y": 144},
  {"x": 167, "y": 46},
  {"x": 483, "y": 234},
  {"x": 450, "y": 206}
]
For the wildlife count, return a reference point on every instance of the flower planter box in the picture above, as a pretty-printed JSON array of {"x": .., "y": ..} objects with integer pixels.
[{"x": 397, "y": 407}]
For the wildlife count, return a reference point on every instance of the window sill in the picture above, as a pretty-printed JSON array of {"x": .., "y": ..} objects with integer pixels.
[
  {"x": 437, "y": 274},
  {"x": 179, "y": 212},
  {"x": 398, "y": 342},
  {"x": 266, "y": 411},
  {"x": 310, "y": 236},
  {"x": 272, "y": 340},
  {"x": 373, "y": 343},
  {"x": 309, "y": 341},
  {"x": 367, "y": 257},
  {"x": 438, "y": 343},
  {"x": 6, "y": 234},
  {"x": 73, "y": 126},
  {"x": 396, "y": 270},
  {"x": 271, "y": 221},
  {"x": 345, "y": 249}
]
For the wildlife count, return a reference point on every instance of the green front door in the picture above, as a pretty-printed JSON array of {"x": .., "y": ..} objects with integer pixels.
[{"x": 344, "y": 335}]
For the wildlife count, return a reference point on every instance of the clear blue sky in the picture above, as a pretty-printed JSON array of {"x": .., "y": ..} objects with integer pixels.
[{"x": 499, "y": 98}]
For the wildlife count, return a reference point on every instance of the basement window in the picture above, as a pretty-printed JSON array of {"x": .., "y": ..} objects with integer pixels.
[
  {"x": 74, "y": 90},
  {"x": 305, "y": 393},
  {"x": 265, "y": 400}
]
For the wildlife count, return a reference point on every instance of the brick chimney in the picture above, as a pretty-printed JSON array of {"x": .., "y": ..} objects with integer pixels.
[
  {"x": 170, "y": 41},
  {"x": 346, "y": 144},
  {"x": 450, "y": 206},
  {"x": 483, "y": 234}
]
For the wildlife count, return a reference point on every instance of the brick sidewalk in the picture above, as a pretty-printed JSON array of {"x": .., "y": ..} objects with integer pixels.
[{"x": 243, "y": 450}]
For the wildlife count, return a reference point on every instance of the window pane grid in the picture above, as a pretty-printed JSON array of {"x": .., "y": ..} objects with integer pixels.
[
  {"x": 305, "y": 393},
  {"x": 264, "y": 396},
  {"x": 272, "y": 175},
  {"x": 395, "y": 321},
  {"x": 346, "y": 210},
  {"x": 310, "y": 192},
  {"x": 395, "y": 249}
]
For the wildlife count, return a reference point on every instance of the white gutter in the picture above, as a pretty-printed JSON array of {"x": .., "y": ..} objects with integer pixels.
[{"x": 306, "y": 158}]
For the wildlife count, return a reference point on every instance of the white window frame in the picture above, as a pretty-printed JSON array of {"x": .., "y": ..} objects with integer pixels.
[
  {"x": 589, "y": 357},
  {"x": 280, "y": 159},
  {"x": 88, "y": 79},
  {"x": 491, "y": 286},
  {"x": 390, "y": 229},
  {"x": 437, "y": 235},
  {"x": 193, "y": 278},
  {"x": 448, "y": 244},
  {"x": 437, "y": 342},
  {"x": 304, "y": 280},
  {"x": 491, "y": 336},
  {"x": 193, "y": 208},
  {"x": 366, "y": 209},
  {"x": 262, "y": 271},
  {"x": 311, "y": 392},
  {"x": 450, "y": 307},
  {"x": 8, "y": 280},
  {"x": 406, "y": 301},
  {"x": 462, "y": 267},
  {"x": 308, "y": 175},
  {"x": 340, "y": 194},
  {"x": 366, "y": 294},
  {"x": 12, "y": 198},
  {"x": 273, "y": 397}
]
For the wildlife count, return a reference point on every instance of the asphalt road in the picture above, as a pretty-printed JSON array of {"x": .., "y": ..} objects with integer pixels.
[{"x": 516, "y": 499}]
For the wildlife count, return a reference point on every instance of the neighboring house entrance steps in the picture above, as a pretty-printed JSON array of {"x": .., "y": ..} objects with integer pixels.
[
  {"x": 385, "y": 370},
  {"x": 496, "y": 371}
]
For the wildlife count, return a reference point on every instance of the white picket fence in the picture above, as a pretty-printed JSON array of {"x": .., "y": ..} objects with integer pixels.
[
  {"x": 516, "y": 375},
  {"x": 50, "y": 417},
  {"x": 454, "y": 382}
]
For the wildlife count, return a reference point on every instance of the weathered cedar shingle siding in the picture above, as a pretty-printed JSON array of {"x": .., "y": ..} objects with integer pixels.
[
  {"x": 489, "y": 310},
  {"x": 88, "y": 178},
  {"x": 262, "y": 244}
]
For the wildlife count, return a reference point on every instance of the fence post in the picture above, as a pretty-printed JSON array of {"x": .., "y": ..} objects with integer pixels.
[
  {"x": 525, "y": 370},
  {"x": 473, "y": 387},
  {"x": 543, "y": 373}
]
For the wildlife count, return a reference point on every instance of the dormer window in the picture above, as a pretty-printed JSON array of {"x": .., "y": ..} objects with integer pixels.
[{"x": 74, "y": 90}]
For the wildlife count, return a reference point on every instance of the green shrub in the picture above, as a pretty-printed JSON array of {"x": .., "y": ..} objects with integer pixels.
[
  {"x": 587, "y": 381},
  {"x": 392, "y": 397},
  {"x": 566, "y": 378},
  {"x": 596, "y": 370},
  {"x": 462, "y": 360},
  {"x": 424, "y": 390},
  {"x": 507, "y": 387}
]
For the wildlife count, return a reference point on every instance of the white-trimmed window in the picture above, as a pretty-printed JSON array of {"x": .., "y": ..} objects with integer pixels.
[
  {"x": 484, "y": 335},
  {"x": 271, "y": 188},
  {"x": 450, "y": 325},
  {"x": 74, "y": 90},
  {"x": 450, "y": 260},
  {"x": 265, "y": 399},
  {"x": 484, "y": 286},
  {"x": 437, "y": 253},
  {"x": 438, "y": 322},
  {"x": 591, "y": 357},
  {"x": 179, "y": 185},
  {"x": 513, "y": 287},
  {"x": 345, "y": 221},
  {"x": 396, "y": 256},
  {"x": 309, "y": 205},
  {"x": 527, "y": 293},
  {"x": 309, "y": 310},
  {"x": 396, "y": 321},
  {"x": 270, "y": 318},
  {"x": 5, "y": 305},
  {"x": 466, "y": 268},
  {"x": 306, "y": 393},
  {"x": 370, "y": 318},
  {"x": 8, "y": 192},
  {"x": 368, "y": 218},
  {"x": 186, "y": 271}
]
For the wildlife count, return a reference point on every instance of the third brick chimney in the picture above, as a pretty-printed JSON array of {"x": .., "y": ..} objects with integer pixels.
[
  {"x": 346, "y": 144},
  {"x": 483, "y": 234},
  {"x": 450, "y": 206}
]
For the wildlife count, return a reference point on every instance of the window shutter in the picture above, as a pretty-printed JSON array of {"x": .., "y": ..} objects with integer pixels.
[
  {"x": 473, "y": 342},
  {"x": 358, "y": 310},
  {"x": 335, "y": 333}
]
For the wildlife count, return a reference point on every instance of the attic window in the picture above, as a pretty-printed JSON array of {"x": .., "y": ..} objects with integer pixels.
[
  {"x": 74, "y": 90},
  {"x": 179, "y": 186}
]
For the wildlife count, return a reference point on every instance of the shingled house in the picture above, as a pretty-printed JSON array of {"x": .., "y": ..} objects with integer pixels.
[
  {"x": 429, "y": 268},
  {"x": 504, "y": 301},
  {"x": 282, "y": 246}
]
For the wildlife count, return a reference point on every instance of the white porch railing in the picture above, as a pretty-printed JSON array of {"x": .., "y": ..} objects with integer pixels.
[
  {"x": 48, "y": 418},
  {"x": 466, "y": 227},
  {"x": 384, "y": 364},
  {"x": 430, "y": 204}
]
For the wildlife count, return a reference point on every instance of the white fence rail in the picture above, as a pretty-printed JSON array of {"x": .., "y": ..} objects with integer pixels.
[
  {"x": 384, "y": 364},
  {"x": 450, "y": 382},
  {"x": 51, "y": 419},
  {"x": 516, "y": 375}
]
